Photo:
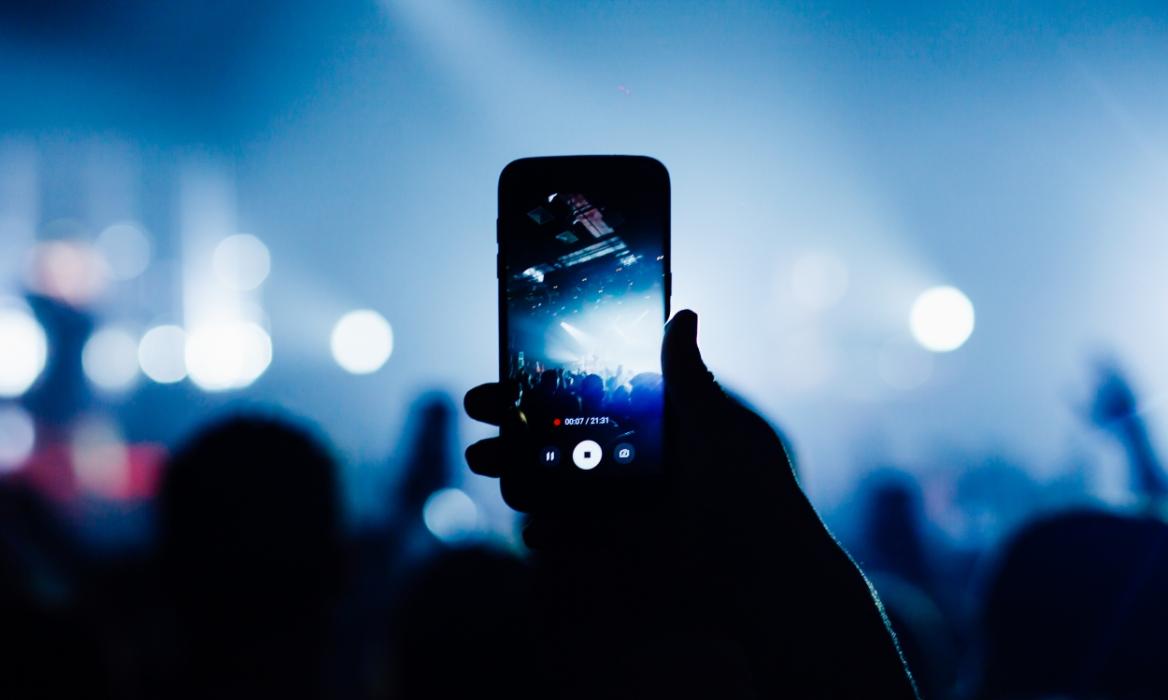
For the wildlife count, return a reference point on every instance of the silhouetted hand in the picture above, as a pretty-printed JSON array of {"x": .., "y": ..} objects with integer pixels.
[
  {"x": 727, "y": 556},
  {"x": 1115, "y": 400},
  {"x": 723, "y": 459},
  {"x": 1115, "y": 409}
]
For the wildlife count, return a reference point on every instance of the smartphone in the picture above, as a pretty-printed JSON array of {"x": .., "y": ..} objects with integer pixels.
[{"x": 584, "y": 285}]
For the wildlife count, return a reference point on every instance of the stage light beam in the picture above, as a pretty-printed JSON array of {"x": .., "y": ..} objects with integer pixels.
[{"x": 575, "y": 332}]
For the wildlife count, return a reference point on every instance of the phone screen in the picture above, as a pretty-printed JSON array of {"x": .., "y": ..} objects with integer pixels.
[{"x": 583, "y": 273}]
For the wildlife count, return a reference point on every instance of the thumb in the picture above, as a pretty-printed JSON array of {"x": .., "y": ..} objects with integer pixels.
[{"x": 688, "y": 384}]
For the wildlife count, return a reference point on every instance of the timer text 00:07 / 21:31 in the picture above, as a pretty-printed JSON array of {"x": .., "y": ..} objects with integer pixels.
[{"x": 589, "y": 420}]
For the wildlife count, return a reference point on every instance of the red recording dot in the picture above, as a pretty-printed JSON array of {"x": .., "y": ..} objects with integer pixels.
[{"x": 556, "y": 422}]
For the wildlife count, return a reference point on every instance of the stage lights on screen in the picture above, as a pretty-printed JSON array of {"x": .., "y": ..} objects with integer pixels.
[
  {"x": 941, "y": 319},
  {"x": 110, "y": 359},
  {"x": 23, "y": 349},
  {"x": 575, "y": 332},
  {"x": 241, "y": 262},
  {"x": 227, "y": 355},
  {"x": 361, "y": 341},
  {"x": 161, "y": 354}
]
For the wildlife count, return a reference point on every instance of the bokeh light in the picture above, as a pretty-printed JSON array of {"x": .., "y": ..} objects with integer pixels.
[
  {"x": 451, "y": 515},
  {"x": 241, "y": 262},
  {"x": 161, "y": 354},
  {"x": 941, "y": 319},
  {"x": 17, "y": 437},
  {"x": 69, "y": 271},
  {"x": 227, "y": 355},
  {"x": 23, "y": 349},
  {"x": 100, "y": 457},
  {"x": 126, "y": 250},
  {"x": 110, "y": 359},
  {"x": 362, "y": 341}
]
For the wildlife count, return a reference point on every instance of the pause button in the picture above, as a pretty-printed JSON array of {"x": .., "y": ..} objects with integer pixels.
[{"x": 549, "y": 456}]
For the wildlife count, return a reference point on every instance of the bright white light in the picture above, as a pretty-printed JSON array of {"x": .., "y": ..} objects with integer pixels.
[
  {"x": 361, "y": 341},
  {"x": 110, "y": 359},
  {"x": 101, "y": 460},
  {"x": 256, "y": 345},
  {"x": 450, "y": 515},
  {"x": 819, "y": 280},
  {"x": 17, "y": 437},
  {"x": 941, "y": 319},
  {"x": 126, "y": 250},
  {"x": 23, "y": 350},
  {"x": 227, "y": 355},
  {"x": 241, "y": 262},
  {"x": 600, "y": 340},
  {"x": 160, "y": 354},
  {"x": 574, "y": 332}
]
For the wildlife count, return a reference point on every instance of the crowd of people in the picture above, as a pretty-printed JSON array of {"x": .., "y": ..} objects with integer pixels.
[
  {"x": 725, "y": 585},
  {"x": 549, "y": 391}
]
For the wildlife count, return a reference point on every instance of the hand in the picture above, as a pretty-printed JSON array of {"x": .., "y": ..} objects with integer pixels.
[
  {"x": 1114, "y": 402},
  {"x": 1115, "y": 408},
  {"x": 729, "y": 552},
  {"x": 727, "y": 469}
]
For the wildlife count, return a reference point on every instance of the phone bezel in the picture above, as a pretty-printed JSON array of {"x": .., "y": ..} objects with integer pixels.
[{"x": 565, "y": 171}]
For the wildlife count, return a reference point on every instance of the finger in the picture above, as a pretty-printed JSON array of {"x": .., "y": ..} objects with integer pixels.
[
  {"x": 489, "y": 403},
  {"x": 688, "y": 384},
  {"x": 486, "y": 457}
]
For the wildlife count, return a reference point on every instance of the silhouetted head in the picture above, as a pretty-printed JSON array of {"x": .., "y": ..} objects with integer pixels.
[
  {"x": 549, "y": 381},
  {"x": 249, "y": 514},
  {"x": 1077, "y": 609},
  {"x": 645, "y": 398},
  {"x": 592, "y": 387}
]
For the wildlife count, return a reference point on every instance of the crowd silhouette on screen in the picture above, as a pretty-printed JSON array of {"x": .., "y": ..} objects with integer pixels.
[
  {"x": 724, "y": 583},
  {"x": 550, "y": 391}
]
